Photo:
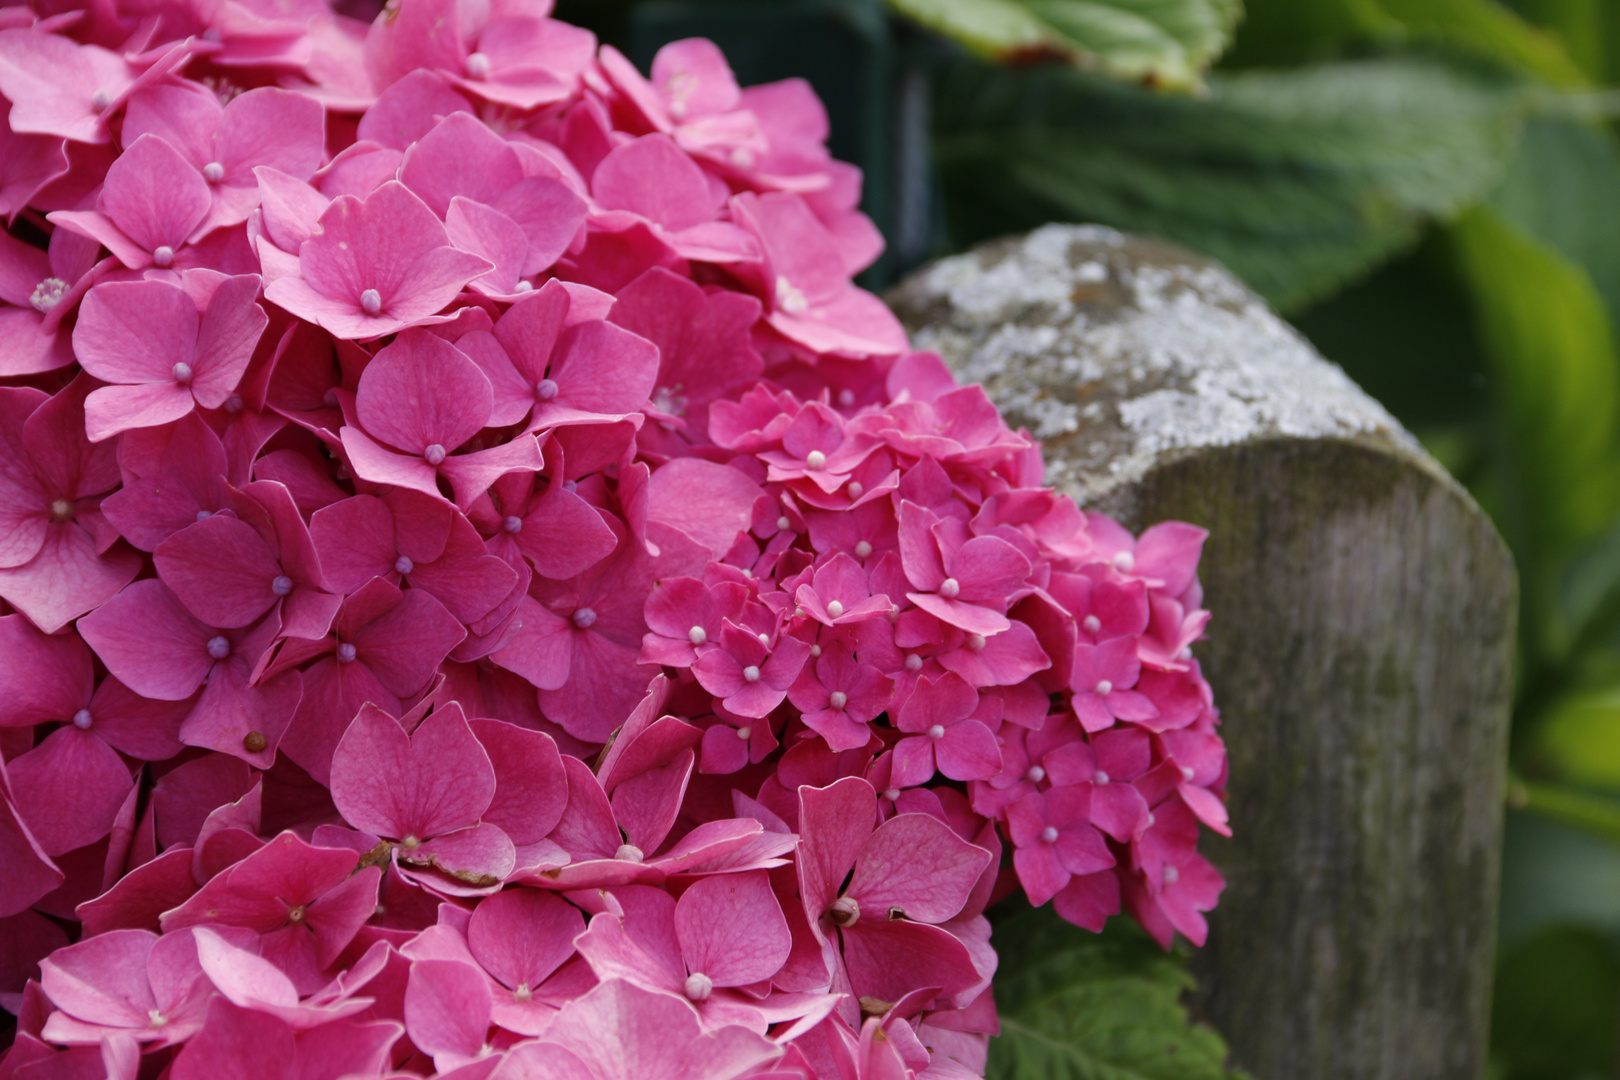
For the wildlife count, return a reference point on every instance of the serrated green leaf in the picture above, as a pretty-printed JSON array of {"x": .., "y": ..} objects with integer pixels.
[
  {"x": 1553, "y": 362},
  {"x": 1081, "y": 1006},
  {"x": 1299, "y": 181},
  {"x": 1168, "y": 42}
]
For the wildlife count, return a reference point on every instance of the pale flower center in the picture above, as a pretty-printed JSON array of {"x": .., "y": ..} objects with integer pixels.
[
  {"x": 1036, "y": 774},
  {"x": 863, "y": 549},
  {"x": 346, "y": 652},
  {"x": 371, "y": 302},
  {"x": 61, "y": 509},
  {"x": 856, "y": 489},
  {"x": 478, "y": 65},
  {"x": 697, "y": 635},
  {"x": 846, "y": 911},
  {"x": 816, "y": 459},
  {"x": 835, "y": 608},
  {"x": 404, "y": 565},
  {"x": 82, "y": 719},
  {"x": 181, "y": 372},
  {"x": 838, "y": 699},
  {"x": 629, "y": 853},
  {"x": 434, "y": 454},
  {"x": 546, "y": 389},
  {"x": 699, "y": 986},
  {"x": 1049, "y": 834},
  {"x": 950, "y": 588},
  {"x": 745, "y": 733},
  {"x": 789, "y": 298},
  {"x": 937, "y": 731},
  {"x": 213, "y": 172},
  {"x": 1124, "y": 561},
  {"x": 163, "y": 257},
  {"x": 219, "y": 648},
  {"x": 1104, "y": 688},
  {"x": 48, "y": 293},
  {"x": 1092, "y": 624},
  {"x": 751, "y": 673},
  {"x": 513, "y": 524},
  {"x": 584, "y": 618},
  {"x": 282, "y": 585}
]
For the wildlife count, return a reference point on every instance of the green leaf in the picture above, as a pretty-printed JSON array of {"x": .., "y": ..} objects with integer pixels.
[
  {"x": 1556, "y": 998},
  {"x": 1291, "y": 31},
  {"x": 1299, "y": 181},
  {"x": 1578, "y": 740},
  {"x": 1081, "y": 1006},
  {"x": 1548, "y": 338},
  {"x": 1168, "y": 42}
]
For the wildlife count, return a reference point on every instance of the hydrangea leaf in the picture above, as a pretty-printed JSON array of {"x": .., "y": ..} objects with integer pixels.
[
  {"x": 1164, "y": 42},
  {"x": 1300, "y": 181},
  {"x": 1081, "y": 1006}
]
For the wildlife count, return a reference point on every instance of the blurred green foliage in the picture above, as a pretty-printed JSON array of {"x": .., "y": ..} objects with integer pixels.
[{"x": 1430, "y": 190}]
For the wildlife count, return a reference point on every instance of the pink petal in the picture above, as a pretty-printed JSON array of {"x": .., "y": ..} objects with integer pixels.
[
  {"x": 837, "y": 819},
  {"x": 102, "y": 979},
  {"x": 135, "y": 331},
  {"x": 915, "y": 864},
  {"x": 731, "y": 929},
  {"x": 427, "y": 784},
  {"x": 531, "y": 788},
  {"x": 43, "y": 678},
  {"x": 221, "y": 570},
  {"x": 521, "y": 936},
  {"x": 421, "y": 391},
  {"x": 968, "y": 751},
  {"x": 654, "y": 178},
  {"x": 150, "y": 642},
  {"x": 70, "y": 760},
  {"x": 460, "y": 156},
  {"x": 447, "y": 1008},
  {"x": 887, "y": 960},
  {"x": 230, "y": 330},
  {"x": 708, "y": 502},
  {"x": 154, "y": 195}
]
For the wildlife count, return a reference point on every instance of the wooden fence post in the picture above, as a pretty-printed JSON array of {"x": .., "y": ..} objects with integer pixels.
[{"x": 1361, "y": 650}]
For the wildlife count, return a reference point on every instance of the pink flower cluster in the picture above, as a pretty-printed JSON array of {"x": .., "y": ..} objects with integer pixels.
[{"x": 485, "y": 594}]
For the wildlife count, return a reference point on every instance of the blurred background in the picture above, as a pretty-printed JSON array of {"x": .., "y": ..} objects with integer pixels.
[{"x": 1428, "y": 189}]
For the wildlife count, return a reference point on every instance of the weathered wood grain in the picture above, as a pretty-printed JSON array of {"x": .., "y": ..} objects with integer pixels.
[{"x": 1361, "y": 650}]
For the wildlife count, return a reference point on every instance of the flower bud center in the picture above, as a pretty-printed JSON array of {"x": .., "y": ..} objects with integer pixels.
[
  {"x": 404, "y": 565},
  {"x": 1124, "y": 561},
  {"x": 846, "y": 911},
  {"x": 181, "y": 372},
  {"x": 1099, "y": 777},
  {"x": 371, "y": 302},
  {"x": 1171, "y": 875},
  {"x": 296, "y": 915},
  {"x": 863, "y": 549},
  {"x": 100, "y": 100},
  {"x": 522, "y": 993},
  {"x": 699, "y": 986},
  {"x": 913, "y": 662},
  {"x": 163, "y": 257},
  {"x": 751, "y": 673},
  {"x": 629, "y": 853},
  {"x": 791, "y": 300},
  {"x": 1092, "y": 624},
  {"x": 1104, "y": 688},
  {"x": 976, "y": 642},
  {"x": 346, "y": 652},
  {"x": 282, "y": 585},
  {"x": 478, "y": 65},
  {"x": 697, "y": 635},
  {"x": 219, "y": 647},
  {"x": 546, "y": 389},
  {"x": 838, "y": 699},
  {"x": 745, "y": 733},
  {"x": 835, "y": 608},
  {"x": 937, "y": 731},
  {"x": 513, "y": 524},
  {"x": 782, "y": 523},
  {"x": 1036, "y": 774},
  {"x": 856, "y": 490},
  {"x": 949, "y": 588},
  {"x": 254, "y": 742},
  {"x": 816, "y": 459},
  {"x": 213, "y": 172},
  {"x": 1049, "y": 834},
  {"x": 434, "y": 454},
  {"x": 48, "y": 293},
  {"x": 82, "y": 719},
  {"x": 61, "y": 509},
  {"x": 584, "y": 618}
]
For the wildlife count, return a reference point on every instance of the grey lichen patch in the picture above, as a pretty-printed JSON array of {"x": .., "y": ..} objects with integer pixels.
[{"x": 1115, "y": 351}]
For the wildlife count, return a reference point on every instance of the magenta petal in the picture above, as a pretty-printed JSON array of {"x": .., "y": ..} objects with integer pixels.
[
  {"x": 915, "y": 864},
  {"x": 231, "y": 710},
  {"x": 70, "y": 760},
  {"x": 113, "y": 409},
  {"x": 102, "y": 979},
  {"x": 731, "y": 929},
  {"x": 542, "y": 650},
  {"x": 237, "y": 1044},
  {"x": 379, "y": 465},
  {"x": 154, "y": 195},
  {"x": 531, "y": 788},
  {"x": 888, "y": 960},
  {"x": 837, "y": 821},
  {"x": 405, "y": 646},
  {"x": 135, "y": 331},
  {"x": 387, "y": 782},
  {"x": 447, "y": 1008},
  {"x": 150, "y": 642},
  {"x": 226, "y": 338},
  {"x": 422, "y": 391},
  {"x": 968, "y": 751},
  {"x": 30, "y": 874},
  {"x": 708, "y": 502},
  {"x": 480, "y": 856},
  {"x": 521, "y": 936},
  {"x": 221, "y": 570},
  {"x": 43, "y": 678},
  {"x": 471, "y": 475}
]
